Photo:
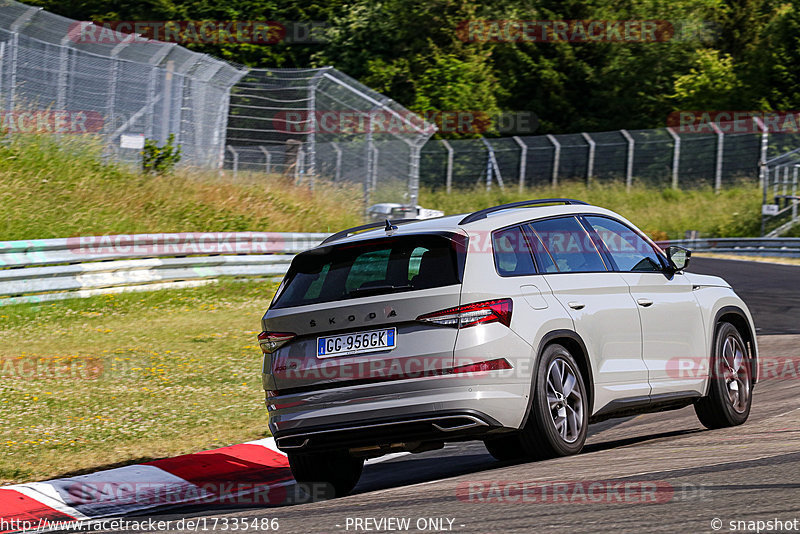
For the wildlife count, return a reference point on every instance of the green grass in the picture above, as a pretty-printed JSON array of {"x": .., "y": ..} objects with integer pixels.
[
  {"x": 51, "y": 188},
  {"x": 117, "y": 379},
  {"x": 735, "y": 212}
]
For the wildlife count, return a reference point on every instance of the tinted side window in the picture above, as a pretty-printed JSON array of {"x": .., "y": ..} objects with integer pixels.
[
  {"x": 512, "y": 254},
  {"x": 628, "y": 249},
  {"x": 569, "y": 246}
]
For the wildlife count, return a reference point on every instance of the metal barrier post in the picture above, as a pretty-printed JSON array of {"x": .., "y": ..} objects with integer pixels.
[
  {"x": 590, "y": 162},
  {"x": 629, "y": 168},
  {"x": 676, "y": 157},
  {"x": 267, "y": 159},
  {"x": 556, "y": 157},
  {"x": 338, "y": 173},
  {"x": 762, "y": 164},
  {"x": 449, "y": 171},
  {"x": 718, "y": 165},
  {"x": 235, "y": 160},
  {"x": 523, "y": 162}
]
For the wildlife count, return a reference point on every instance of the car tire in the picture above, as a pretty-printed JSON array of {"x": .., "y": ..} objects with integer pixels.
[
  {"x": 559, "y": 414},
  {"x": 730, "y": 392},
  {"x": 327, "y": 474}
]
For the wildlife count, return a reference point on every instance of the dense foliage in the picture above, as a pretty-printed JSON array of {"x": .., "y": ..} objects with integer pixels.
[{"x": 724, "y": 54}]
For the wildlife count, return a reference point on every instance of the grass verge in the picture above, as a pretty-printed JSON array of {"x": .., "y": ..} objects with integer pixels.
[
  {"x": 51, "y": 188},
  {"x": 663, "y": 214},
  {"x": 87, "y": 384}
]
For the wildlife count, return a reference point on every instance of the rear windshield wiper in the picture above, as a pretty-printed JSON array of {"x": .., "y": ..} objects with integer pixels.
[{"x": 386, "y": 288}]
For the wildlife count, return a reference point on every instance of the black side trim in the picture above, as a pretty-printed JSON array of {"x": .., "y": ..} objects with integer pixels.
[
  {"x": 645, "y": 404},
  {"x": 546, "y": 340}
]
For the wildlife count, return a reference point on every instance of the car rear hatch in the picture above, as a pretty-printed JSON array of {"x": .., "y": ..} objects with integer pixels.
[{"x": 347, "y": 314}]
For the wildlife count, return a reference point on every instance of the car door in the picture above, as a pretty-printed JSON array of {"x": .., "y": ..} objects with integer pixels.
[
  {"x": 672, "y": 322},
  {"x": 598, "y": 300}
]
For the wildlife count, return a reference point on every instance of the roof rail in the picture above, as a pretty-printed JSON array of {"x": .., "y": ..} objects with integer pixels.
[
  {"x": 481, "y": 214},
  {"x": 371, "y": 226}
]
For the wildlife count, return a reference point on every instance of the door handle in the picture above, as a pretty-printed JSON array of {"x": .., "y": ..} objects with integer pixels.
[
  {"x": 645, "y": 302},
  {"x": 576, "y": 305}
]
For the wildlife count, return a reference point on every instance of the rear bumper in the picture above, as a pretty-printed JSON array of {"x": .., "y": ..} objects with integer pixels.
[
  {"x": 434, "y": 427},
  {"x": 441, "y": 408}
]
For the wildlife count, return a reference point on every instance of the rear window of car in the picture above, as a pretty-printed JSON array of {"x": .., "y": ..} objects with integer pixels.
[{"x": 390, "y": 265}]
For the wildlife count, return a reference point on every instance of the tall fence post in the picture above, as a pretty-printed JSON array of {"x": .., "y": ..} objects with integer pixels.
[
  {"x": 449, "y": 170},
  {"x": 590, "y": 161},
  {"x": 338, "y": 171},
  {"x": 556, "y": 158},
  {"x": 267, "y": 159},
  {"x": 374, "y": 172},
  {"x": 63, "y": 74},
  {"x": 762, "y": 163},
  {"x": 718, "y": 164},
  {"x": 629, "y": 166},
  {"x": 311, "y": 138},
  {"x": 2, "y": 61},
  {"x": 413, "y": 182},
  {"x": 676, "y": 156},
  {"x": 523, "y": 161},
  {"x": 14, "y": 29},
  {"x": 170, "y": 74}
]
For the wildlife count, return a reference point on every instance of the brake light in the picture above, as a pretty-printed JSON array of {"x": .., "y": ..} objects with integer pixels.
[
  {"x": 489, "y": 311},
  {"x": 492, "y": 365},
  {"x": 272, "y": 341}
]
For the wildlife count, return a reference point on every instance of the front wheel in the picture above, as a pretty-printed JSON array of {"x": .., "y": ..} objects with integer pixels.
[
  {"x": 730, "y": 392},
  {"x": 559, "y": 415},
  {"x": 326, "y": 474}
]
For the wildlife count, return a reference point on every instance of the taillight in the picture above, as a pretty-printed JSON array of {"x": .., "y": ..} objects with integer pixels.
[
  {"x": 492, "y": 365},
  {"x": 489, "y": 311},
  {"x": 272, "y": 341}
]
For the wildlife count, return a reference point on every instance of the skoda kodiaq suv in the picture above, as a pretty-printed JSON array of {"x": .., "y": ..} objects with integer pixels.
[{"x": 518, "y": 325}]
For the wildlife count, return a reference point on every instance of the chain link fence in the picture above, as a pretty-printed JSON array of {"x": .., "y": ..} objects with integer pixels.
[
  {"x": 659, "y": 157},
  {"x": 320, "y": 123},
  {"x": 56, "y": 74}
]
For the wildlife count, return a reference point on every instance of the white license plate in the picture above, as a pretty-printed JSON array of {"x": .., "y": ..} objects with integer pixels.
[{"x": 357, "y": 343}]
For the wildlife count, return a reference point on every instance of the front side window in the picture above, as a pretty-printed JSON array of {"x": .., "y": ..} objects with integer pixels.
[
  {"x": 630, "y": 251},
  {"x": 566, "y": 247}
]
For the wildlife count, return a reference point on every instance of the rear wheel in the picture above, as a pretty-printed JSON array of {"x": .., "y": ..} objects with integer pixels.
[
  {"x": 326, "y": 474},
  {"x": 559, "y": 414},
  {"x": 730, "y": 392}
]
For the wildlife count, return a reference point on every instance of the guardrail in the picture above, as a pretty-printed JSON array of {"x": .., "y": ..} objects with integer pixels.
[
  {"x": 788, "y": 247},
  {"x": 53, "y": 269},
  {"x": 43, "y": 270}
]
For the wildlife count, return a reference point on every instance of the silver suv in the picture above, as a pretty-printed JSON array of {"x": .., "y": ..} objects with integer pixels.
[{"x": 518, "y": 325}]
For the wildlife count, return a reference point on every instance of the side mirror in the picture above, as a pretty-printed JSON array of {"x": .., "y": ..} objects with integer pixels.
[{"x": 679, "y": 257}]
